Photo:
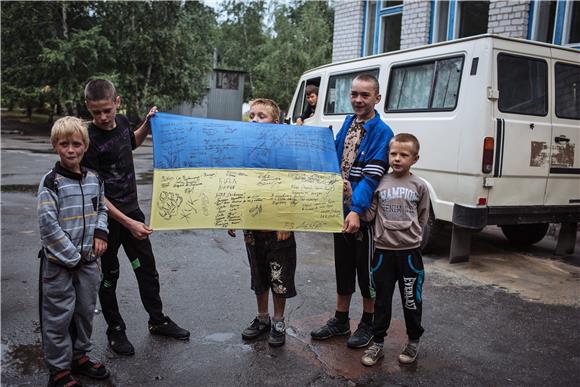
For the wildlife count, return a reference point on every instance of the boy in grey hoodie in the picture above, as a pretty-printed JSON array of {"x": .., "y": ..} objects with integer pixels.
[
  {"x": 400, "y": 209},
  {"x": 73, "y": 227}
]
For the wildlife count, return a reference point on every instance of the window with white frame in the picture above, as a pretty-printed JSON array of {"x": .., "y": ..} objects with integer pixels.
[
  {"x": 391, "y": 32},
  {"x": 473, "y": 17},
  {"x": 544, "y": 21},
  {"x": 556, "y": 22},
  {"x": 572, "y": 25},
  {"x": 458, "y": 19},
  {"x": 440, "y": 20},
  {"x": 382, "y": 30}
]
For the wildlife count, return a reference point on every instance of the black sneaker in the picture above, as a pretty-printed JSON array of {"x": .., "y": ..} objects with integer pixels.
[
  {"x": 90, "y": 368},
  {"x": 119, "y": 342},
  {"x": 332, "y": 328},
  {"x": 62, "y": 379},
  {"x": 277, "y": 335},
  {"x": 361, "y": 337},
  {"x": 169, "y": 329},
  {"x": 256, "y": 329}
]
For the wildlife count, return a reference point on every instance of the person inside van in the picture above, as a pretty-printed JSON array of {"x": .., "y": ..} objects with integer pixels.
[
  {"x": 312, "y": 99},
  {"x": 362, "y": 147}
]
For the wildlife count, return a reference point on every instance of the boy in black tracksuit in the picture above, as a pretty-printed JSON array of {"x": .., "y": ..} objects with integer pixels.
[{"x": 110, "y": 154}]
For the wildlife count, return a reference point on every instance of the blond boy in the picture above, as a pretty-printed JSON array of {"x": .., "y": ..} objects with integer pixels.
[
  {"x": 73, "y": 227},
  {"x": 272, "y": 258}
]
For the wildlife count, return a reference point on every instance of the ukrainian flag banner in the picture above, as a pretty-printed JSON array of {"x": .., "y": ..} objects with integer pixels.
[{"x": 240, "y": 175}]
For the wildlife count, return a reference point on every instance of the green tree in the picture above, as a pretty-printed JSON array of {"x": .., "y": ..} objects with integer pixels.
[
  {"x": 73, "y": 55},
  {"x": 155, "y": 52},
  {"x": 241, "y": 38},
  {"x": 26, "y": 27},
  {"x": 301, "y": 39},
  {"x": 162, "y": 50}
]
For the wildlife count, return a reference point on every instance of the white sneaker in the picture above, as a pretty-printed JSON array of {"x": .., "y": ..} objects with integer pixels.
[
  {"x": 372, "y": 355},
  {"x": 409, "y": 353}
]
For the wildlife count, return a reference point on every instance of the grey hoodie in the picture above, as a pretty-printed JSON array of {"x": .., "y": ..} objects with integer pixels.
[
  {"x": 400, "y": 208},
  {"x": 71, "y": 213}
]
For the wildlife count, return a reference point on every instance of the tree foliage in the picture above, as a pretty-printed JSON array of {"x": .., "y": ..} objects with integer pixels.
[
  {"x": 155, "y": 52},
  {"x": 241, "y": 38},
  {"x": 299, "y": 38}
]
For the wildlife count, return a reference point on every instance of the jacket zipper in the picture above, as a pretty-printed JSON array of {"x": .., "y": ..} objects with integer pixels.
[{"x": 84, "y": 225}]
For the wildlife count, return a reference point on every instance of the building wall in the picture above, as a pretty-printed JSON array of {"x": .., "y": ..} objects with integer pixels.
[
  {"x": 415, "y": 24},
  {"x": 509, "y": 18},
  {"x": 348, "y": 23}
]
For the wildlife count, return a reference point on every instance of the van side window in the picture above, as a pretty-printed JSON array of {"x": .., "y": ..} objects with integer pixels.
[
  {"x": 299, "y": 105},
  {"x": 567, "y": 91},
  {"x": 425, "y": 86},
  {"x": 301, "y": 100},
  {"x": 522, "y": 84},
  {"x": 338, "y": 92}
]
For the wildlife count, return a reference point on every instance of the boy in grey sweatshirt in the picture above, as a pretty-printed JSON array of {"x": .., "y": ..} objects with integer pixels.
[
  {"x": 400, "y": 209},
  {"x": 73, "y": 227}
]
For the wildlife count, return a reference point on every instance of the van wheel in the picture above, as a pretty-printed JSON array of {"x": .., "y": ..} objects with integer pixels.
[
  {"x": 435, "y": 234},
  {"x": 525, "y": 234}
]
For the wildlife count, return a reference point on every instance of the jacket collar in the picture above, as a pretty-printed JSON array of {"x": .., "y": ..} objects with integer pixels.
[
  {"x": 370, "y": 124},
  {"x": 70, "y": 174}
]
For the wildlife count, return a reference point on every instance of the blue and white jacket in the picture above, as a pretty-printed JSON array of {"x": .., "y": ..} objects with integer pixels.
[
  {"x": 370, "y": 163},
  {"x": 71, "y": 213}
]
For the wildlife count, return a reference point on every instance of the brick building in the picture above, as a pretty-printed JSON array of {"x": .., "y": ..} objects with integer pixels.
[{"x": 371, "y": 27}]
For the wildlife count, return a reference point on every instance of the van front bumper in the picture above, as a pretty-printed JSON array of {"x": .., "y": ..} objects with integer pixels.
[{"x": 479, "y": 217}]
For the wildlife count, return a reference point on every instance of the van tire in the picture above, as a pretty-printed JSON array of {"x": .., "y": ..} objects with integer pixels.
[
  {"x": 525, "y": 234},
  {"x": 435, "y": 234}
]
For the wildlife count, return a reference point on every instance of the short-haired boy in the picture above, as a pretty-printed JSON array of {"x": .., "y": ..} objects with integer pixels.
[
  {"x": 311, "y": 98},
  {"x": 401, "y": 208},
  {"x": 111, "y": 155},
  {"x": 73, "y": 227},
  {"x": 272, "y": 258},
  {"x": 362, "y": 147}
]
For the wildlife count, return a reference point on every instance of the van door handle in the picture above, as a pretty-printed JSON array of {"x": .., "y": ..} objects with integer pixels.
[{"x": 561, "y": 138}]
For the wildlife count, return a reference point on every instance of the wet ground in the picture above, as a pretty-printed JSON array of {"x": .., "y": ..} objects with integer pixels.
[{"x": 508, "y": 317}]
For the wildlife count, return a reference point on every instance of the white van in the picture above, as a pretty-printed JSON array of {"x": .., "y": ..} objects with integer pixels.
[{"x": 498, "y": 120}]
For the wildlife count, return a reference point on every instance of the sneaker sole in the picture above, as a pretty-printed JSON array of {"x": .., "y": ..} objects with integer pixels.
[
  {"x": 330, "y": 335},
  {"x": 132, "y": 353},
  {"x": 372, "y": 364},
  {"x": 246, "y": 337},
  {"x": 91, "y": 376},
  {"x": 274, "y": 344},
  {"x": 406, "y": 362}
]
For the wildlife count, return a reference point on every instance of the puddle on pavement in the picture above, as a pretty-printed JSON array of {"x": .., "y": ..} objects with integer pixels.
[
  {"x": 19, "y": 188},
  {"x": 340, "y": 361},
  {"x": 22, "y": 359},
  {"x": 220, "y": 337}
]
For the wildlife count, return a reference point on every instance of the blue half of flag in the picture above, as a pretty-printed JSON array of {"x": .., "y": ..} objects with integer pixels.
[{"x": 189, "y": 142}]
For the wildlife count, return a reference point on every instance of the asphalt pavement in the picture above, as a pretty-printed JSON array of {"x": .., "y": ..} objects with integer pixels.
[{"x": 507, "y": 317}]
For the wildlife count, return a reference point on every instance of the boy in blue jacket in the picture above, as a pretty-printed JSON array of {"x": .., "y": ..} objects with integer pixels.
[{"x": 362, "y": 147}]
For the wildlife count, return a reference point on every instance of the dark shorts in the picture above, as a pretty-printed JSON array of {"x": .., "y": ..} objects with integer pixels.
[
  {"x": 352, "y": 256},
  {"x": 272, "y": 263}
]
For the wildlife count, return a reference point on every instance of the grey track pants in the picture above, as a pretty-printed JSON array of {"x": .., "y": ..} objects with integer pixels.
[{"x": 67, "y": 307}]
